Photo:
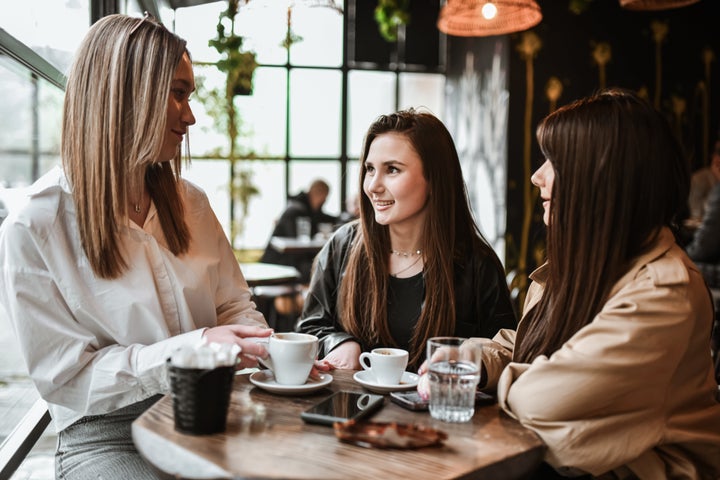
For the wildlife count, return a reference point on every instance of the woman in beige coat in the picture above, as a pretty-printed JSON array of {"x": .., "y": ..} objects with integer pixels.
[{"x": 610, "y": 364}]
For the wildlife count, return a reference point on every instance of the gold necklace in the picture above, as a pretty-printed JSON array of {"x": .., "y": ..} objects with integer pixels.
[{"x": 405, "y": 254}]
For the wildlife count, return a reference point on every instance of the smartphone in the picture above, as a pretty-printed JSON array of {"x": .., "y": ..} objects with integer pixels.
[
  {"x": 410, "y": 400},
  {"x": 413, "y": 401},
  {"x": 343, "y": 406}
]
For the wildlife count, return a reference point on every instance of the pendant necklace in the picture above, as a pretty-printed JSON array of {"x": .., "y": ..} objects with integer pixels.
[
  {"x": 406, "y": 255},
  {"x": 407, "y": 268},
  {"x": 138, "y": 206}
]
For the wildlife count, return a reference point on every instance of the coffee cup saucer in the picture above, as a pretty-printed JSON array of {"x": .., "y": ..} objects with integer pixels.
[
  {"x": 365, "y": 378},
  {"x": 266, "y": 380}
]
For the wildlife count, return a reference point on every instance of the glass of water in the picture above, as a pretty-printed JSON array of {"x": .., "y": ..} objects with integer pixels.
[
  {"x": 304, "y": 228},
  {"x": 454, "y": 373}
]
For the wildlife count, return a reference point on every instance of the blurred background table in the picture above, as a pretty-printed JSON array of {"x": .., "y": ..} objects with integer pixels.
[
  {"x": 277, "y": 292},
  {"x": 262, "y": 274},
  {"x": 296, "y": 245},
  {"x": 493, "y": 445}
]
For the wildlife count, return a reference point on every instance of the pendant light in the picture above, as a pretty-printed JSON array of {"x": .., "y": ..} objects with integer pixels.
[{"x": 481, "y": 18}]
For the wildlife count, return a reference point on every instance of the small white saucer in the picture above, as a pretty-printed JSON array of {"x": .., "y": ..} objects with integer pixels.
[
  {"x": 265, "y": 380},
  {"x": 365, "y": 378}
]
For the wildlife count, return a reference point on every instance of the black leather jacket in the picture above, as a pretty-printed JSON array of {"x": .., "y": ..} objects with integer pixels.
[
  {"x": 704, "y": 249},
  {"x": 482, "y": 300}
]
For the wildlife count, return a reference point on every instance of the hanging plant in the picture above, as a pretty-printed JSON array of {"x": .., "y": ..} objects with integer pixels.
[
  {"x": 389, "y": 15},
  {"x": 238, "y": 64}
]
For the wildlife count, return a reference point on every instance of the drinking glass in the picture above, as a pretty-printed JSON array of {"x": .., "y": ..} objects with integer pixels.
[
  {"x": 304, "y": 228},
  {"x": 454, "y": 373}
]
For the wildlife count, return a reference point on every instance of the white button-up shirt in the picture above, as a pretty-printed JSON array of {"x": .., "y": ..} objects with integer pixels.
[{"x": 94, "y": 345}]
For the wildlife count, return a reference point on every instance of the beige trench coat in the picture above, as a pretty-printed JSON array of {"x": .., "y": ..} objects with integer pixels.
[{"x": 633, "y": 391}]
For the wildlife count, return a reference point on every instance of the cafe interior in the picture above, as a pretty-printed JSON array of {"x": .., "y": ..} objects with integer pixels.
[{"x": 311, "y": 75}]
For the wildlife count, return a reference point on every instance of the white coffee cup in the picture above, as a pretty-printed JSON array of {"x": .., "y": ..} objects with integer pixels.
[
  {"x": 386, "y": 364},
  {"x": 291, "y": 357}
]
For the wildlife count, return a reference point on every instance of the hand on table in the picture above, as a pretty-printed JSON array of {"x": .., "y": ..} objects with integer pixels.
[
  {"x": 320, "y": 366},
  {"x": 344, "y": 356}
]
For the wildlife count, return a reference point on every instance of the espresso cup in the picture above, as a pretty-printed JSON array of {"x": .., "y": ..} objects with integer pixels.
[
  {"x": 291, "y": 357},
  {"x": 386, "y": 364}
]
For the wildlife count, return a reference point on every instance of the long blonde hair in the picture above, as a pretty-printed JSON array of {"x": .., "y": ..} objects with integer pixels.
[{"x": 113, "y": 129}]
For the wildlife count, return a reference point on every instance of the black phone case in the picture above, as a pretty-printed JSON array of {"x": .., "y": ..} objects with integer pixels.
[
  {"x": 413, "y": 401},
  {"x": 410, "y": 400}
]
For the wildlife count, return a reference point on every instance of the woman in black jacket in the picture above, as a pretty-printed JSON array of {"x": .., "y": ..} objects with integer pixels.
[{"x": 414, "y": 265}]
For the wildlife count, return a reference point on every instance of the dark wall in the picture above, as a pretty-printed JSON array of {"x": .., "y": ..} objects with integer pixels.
[{"x": 566, "y": 53}]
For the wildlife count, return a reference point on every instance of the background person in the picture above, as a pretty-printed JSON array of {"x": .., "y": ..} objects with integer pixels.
[
  {"x": 352, "y": 209},
  {"x": 305, "y": 204},
  {"x": 414, "y": 265},
  {"x": 114, "y": 261},
  {"x": 610, "y": 364},
  {"x": 702, "y": 183},
  {"x": 704, "y": 248}
]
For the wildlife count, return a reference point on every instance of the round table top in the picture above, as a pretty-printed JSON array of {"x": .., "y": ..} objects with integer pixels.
[{"x": 257, "y": 274}]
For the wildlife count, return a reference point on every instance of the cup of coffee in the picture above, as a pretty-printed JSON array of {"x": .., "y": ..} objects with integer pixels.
[
  {"x": 386, "y": 364},
  {"x": 291, "y": 357}
]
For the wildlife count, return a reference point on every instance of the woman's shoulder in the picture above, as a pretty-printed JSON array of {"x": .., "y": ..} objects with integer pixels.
[
  {"x": 346, "y": 232},
  {"x": 665, "y": 263},
  {"x": 37, "y": 207},
  {"x": 195, "y": 197},
  {"x": 478, "y": 255},
  {"x": 337, "y": 247}
]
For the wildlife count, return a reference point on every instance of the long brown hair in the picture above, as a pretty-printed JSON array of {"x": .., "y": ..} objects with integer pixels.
[
  {"x": 113, "y": 128},
  {"x": 449, "y": 234},
  {"x": 620, "y": 176}
]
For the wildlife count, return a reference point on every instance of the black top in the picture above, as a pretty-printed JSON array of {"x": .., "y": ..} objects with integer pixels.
[
  {"x": 482, "y": 299},
  {"x": 405, "y": 299}
]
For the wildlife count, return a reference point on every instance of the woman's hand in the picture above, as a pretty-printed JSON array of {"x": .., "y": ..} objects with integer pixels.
[
  {"x": 244, "y": 336},
  {"x": 344, "y": 356},
  {"x": 423, "y": 386},
  {"x": 320, "y": 366}
]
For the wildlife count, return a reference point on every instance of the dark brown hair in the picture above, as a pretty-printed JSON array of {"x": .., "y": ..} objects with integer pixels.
[
  {"x": 449, "y": 234},
  {"x": 620, "y": 176}
]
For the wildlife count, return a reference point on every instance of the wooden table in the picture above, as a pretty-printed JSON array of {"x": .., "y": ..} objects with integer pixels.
[
  {"x": 262, "y": 274},
  {"x": 492, "y": 446}
]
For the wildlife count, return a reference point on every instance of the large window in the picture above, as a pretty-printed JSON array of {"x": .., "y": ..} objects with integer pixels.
[
  {"x": 35, "y": 51},
  {"x": 308, "y": 112}
]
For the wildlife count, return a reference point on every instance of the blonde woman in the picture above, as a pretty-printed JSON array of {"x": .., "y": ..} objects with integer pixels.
[{"x": 115, "y": 261}]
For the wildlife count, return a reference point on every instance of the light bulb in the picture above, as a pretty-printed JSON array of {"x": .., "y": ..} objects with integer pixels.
[{"x": 489, "y": 10}]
